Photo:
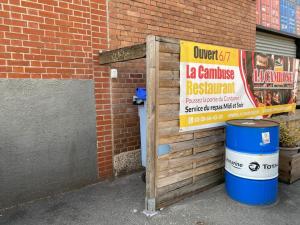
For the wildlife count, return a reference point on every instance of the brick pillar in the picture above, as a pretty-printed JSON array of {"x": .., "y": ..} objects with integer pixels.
[{"x": 102, "y": 89}]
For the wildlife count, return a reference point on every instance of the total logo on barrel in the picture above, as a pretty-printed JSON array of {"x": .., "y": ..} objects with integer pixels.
[{"x": 251, "y": 162}]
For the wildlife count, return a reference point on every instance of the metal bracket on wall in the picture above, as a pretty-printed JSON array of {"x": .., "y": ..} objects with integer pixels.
[
  {"x": 150, "y": 204},
  {"x": 150, "y": 207}
]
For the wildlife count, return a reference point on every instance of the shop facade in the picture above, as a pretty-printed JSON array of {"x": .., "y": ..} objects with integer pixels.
[
  {"x": 278, "y": 27},
  {"x": 57, "y": 45}
]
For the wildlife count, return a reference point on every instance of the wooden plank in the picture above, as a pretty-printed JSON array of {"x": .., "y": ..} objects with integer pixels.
[
  {"x": 168, "y": 116},
  {"x": 164, "y": 156},
  {"x": 163, "y": 161},
  {"x": 169, "y": 99},
  {"x": 180, "y": 193},
  {"x": 219, "y": 171},
  {"x": 172, "y": 171},
  {"x": 204, "y": 162},
  {"x": 175, "y": 138},
  {"x": 168, "y": 40},
  {"x": 174, "y": 178},
  {"x": 170, "y": 127},
  {"x": 171, "y": 187},
  {"x": 206, "y": 133},
  {"x": 200, "y": 157},
  {"x": 168, "y": 96},
  {"x": 169, "y": 65},
  {"x": 165, "y": 164},
  {"x": 183, "y": 153},
  {"x": 169, "y": 91},
  {"x": 151, "y": 82},
  {"x": 169, "y": 48},
  {"x": 157, "y": 93},
  {"x": 169, "y": 75},
  {"x": 123, "y": 54},
  {"x": 168, "y": 131},
  {"x": 209, "y": 147},
  {"x": 169, "y": 83},
  {"x": 169, "y": 57},
  {"x": 167, "y": 124},
  {"x": 168, "y": 112},
  {"x": 168, "y": 107},
  {"x": 196, "y": 143},
  {"x": 162, "y": 164},
  {"x": 189, "y": 173},
  {"x": 209, "y": 167},
  {"x": 163, "y": 204}
]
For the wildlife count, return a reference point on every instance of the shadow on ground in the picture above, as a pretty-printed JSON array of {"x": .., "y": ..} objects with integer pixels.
[{"x": 121, "y": 202}]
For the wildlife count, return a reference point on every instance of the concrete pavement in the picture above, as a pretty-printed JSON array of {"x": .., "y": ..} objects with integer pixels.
[{"x": 122, "y": 202}]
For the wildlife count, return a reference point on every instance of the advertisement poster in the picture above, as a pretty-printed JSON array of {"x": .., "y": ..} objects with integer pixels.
[{"x": 219, "y": 84}]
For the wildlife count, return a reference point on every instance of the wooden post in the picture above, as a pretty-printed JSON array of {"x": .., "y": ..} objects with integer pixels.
[{"x": 152, "y": 59}]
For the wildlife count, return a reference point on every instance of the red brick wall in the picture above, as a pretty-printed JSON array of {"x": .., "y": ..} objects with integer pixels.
[
  {"x": 125, "y": 114},
  {"x": 228, "y": 23},
  {"x": 99, "y": 37},
  {"x": 44, "y": 39}
]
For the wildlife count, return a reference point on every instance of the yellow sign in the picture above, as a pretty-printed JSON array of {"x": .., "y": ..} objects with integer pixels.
[
  {"x": 217, "y": 117},
  {"x": 208, "y": 54},
  {"x": 219, "y": 84}
]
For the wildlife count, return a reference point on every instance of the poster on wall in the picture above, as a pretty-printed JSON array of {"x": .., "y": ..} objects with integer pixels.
[{"x": 219, "y": 84}]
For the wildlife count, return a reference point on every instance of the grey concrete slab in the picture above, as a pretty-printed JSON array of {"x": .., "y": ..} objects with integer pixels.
[
  {"x": 122, "y": 200},
  {"x": 47, "y": 137}
]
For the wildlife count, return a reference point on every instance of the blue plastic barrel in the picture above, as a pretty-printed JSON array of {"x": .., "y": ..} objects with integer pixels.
[
  {"x": 141, "y": 94},
  {"x": 251, "y": 162}
]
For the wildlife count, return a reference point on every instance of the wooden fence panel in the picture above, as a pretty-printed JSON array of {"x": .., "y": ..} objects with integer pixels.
[{"x": 196, "y": 159}]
